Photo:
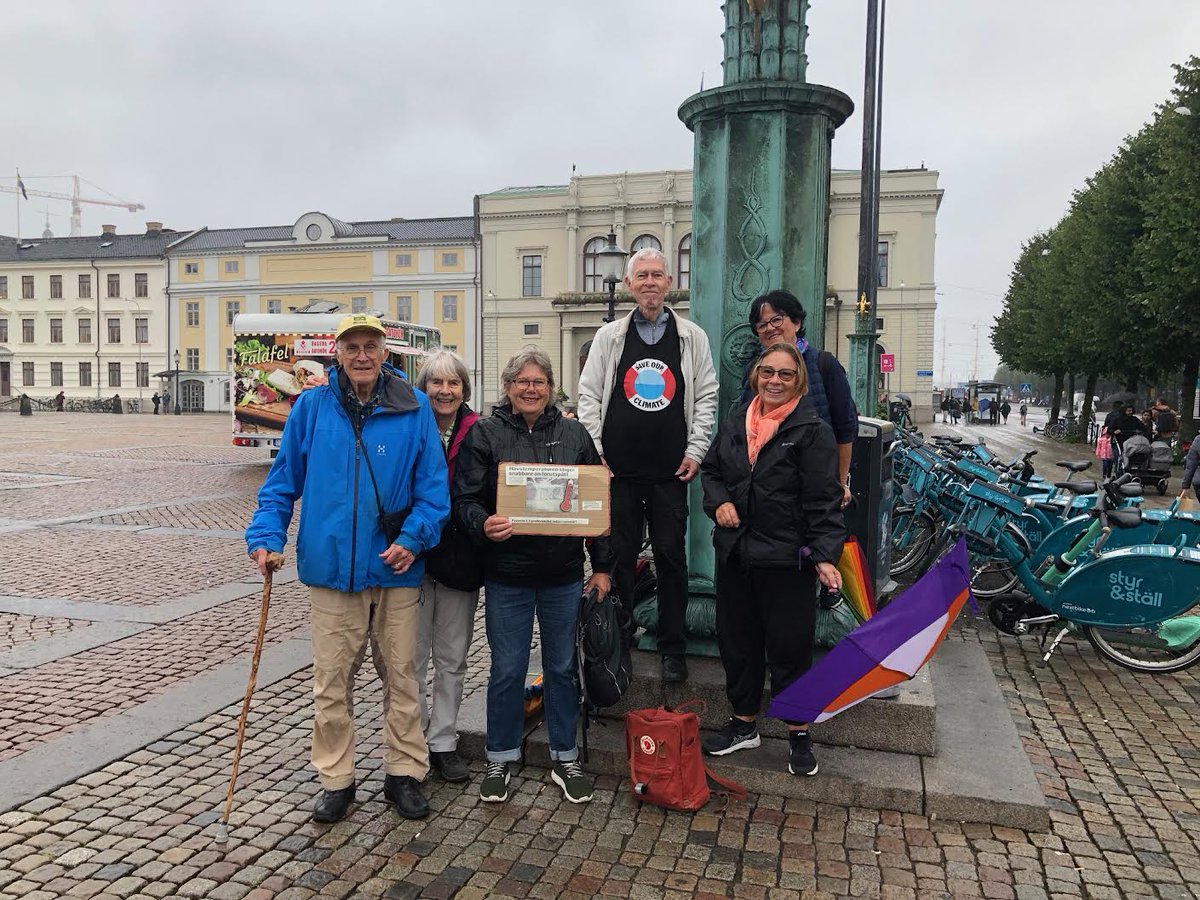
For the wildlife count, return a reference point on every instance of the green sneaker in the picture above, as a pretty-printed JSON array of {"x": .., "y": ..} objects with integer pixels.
[
  {"x": 494, "y": 788},
  {"x": 575, "y": 784}
]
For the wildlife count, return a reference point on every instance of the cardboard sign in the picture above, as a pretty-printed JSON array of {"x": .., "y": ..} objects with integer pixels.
[
  {"x": 887, "y": 363},
  {"x": 564, "y": 501}
]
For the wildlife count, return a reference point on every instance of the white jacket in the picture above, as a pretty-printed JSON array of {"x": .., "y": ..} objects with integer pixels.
[{"x": 599, "y": 377}]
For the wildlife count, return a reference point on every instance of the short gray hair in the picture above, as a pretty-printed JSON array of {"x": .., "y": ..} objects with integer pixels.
[
  {"x": 527, "y": 355},
  {"x": 647, "y": 253},
  {"x": 445, "y": 364}
]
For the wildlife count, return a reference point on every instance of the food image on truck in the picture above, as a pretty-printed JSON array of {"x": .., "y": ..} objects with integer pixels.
[{"x": 269, "y": 372}]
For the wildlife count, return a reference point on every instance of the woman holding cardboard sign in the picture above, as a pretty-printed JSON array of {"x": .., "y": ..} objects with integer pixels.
[{"x": 524, "y": 573}]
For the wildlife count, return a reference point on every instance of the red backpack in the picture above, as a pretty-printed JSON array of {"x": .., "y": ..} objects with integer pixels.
[{"x": 665, "y": 765}]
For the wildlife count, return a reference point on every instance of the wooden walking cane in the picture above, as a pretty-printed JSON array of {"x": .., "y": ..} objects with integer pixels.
[{"x": 274, "y": 562}]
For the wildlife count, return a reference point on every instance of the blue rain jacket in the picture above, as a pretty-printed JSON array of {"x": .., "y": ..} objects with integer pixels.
[{"x": 340, "y": 538}]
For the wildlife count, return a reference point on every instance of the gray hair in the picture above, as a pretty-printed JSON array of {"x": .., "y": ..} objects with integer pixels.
[
  {"x": 647, "y": 253},
  {"x": 530, "y": 354},
  {"x": 445, "y": 364}
]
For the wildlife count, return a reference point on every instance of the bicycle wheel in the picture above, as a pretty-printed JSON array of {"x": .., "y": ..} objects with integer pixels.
[
  {"x": 990, "y": 576},
  {"x": 1169, "y": 646},
  {"x": 911, "y": 540}
]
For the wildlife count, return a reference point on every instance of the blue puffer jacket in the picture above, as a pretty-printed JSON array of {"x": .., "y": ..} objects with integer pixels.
[{"x": 340, "y": 539}]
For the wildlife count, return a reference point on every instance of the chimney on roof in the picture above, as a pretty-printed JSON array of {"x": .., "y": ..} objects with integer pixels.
[
  {"x": 399, "y": 219},
  {"x": 153, "y": 229},
  {"x": 108, "y": 229}
]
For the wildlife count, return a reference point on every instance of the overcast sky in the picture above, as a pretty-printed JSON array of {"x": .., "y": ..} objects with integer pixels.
[{"x": 233, "y": 113}]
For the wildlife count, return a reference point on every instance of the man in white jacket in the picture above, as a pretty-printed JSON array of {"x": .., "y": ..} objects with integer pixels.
[{"x": 648, "y": 396}]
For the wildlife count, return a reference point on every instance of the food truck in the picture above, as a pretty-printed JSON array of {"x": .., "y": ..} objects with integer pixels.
[{"x": 274, "y": 354}]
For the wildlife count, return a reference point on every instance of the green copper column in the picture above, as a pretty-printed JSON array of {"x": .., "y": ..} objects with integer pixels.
[{"x": 760, "y": 203}]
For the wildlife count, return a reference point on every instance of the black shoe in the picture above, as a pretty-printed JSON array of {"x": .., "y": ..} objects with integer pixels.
[
  {"x": 801, "y": 760},
  {"x": 332, "y": 806},
  {"x": 674, "y": 669},
  {"x": 736, "y": 734},
  {"x": 404, "y": 791},
  {"x": 449, "y": 765}
]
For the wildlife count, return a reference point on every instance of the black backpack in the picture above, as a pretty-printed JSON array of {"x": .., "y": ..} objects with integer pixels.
[
  {"x": 604, "y": 637},
  {"x": 1165, "y": 423}
]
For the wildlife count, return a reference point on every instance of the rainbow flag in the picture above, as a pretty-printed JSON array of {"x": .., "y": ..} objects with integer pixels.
[{"x": 856, "y": 580}]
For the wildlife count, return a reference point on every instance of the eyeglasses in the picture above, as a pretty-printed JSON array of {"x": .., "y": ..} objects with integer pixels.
[
  {"x": 773, "y": 322},
  {"x": 526, "y": 383},
  {"x": 352, "y": 351},
  {"x": 785, "y": 375}
]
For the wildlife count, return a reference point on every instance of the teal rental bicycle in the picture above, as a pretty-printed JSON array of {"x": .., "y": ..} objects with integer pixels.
[{"x": 1138, "y": 606}]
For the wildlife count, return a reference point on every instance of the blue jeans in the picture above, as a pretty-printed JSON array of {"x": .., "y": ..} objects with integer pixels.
[{"x": 509, "y": 613}]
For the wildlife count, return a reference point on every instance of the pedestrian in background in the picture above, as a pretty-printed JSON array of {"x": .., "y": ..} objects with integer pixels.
[
  {"x": 363, "y": 451},
  {"x": 453, "y": 576},
  {"x": 648, "y": 397},
  {"x": 1024, "y": 411},
  {"x": 156, "y": 400},
  {"x": 1005, "y": 409},
  {"x": 1191, "y": 471}
]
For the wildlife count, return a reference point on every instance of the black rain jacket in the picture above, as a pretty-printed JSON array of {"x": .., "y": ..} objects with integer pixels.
[
  {"x": 504, "y": 437},
  {"x": 790, "y": 499}
]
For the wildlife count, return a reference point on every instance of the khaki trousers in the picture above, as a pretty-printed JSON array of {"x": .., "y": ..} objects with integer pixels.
[{"x": 341, "y": 625}]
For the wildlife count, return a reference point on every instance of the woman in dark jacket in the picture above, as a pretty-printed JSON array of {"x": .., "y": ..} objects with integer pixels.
[
  {"x": 771, "y": 484},
  {"x": 524, "y": 574}
]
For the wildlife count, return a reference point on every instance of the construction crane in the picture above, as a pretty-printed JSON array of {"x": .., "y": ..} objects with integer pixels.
[{"x": 76, "y": 200}]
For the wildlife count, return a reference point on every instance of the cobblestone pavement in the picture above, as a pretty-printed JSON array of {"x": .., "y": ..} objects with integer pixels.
[{"x": 124, "y": 578}]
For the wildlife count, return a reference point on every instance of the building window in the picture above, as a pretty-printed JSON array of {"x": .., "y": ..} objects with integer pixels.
[
  {"x": 274, "y": 306},
  {"x": 404, "y": 309},
  {"x": 141, "y": 285},
  {"x": 56, "y": 374},
  {"x": 55, "y": 287},
  {"x": 56, "y": 336},
  {"x": 645, "y": 242},
  {"x": 449, "y": 260},
  {"x": 85, "y": 374},
  {"x": 114, "y": 374},
  {"x": 85, "y": 287},
  {"x": 27, "y": 331},
  {"x": 358, "y": 304},
  {"x": 879, "y": 323},
  {"x": 141, "y": 331},
  {"x": 27, "y": 374},
  {"x": 593, "y": 281},
  {"x": 232, "y": 308},
  {"x": 453, "y": 348},
  {"x": 231, "y": 266},
  {"x": 143, "y": 374},
  {"x": 3, "y": 287},
  {"x": 27, "y": 287},
  {"x": 3, "y": 331},
  {"x": 532, "y": 329},
  {"x": 191, "y": 268},
  {"x": 228, "y": 357},
  {"x": 449, "y": 308},
  {"x": 193, "y": 314},
  {"x": 193, "y": 359},
  {"x": 531, "y": 276},
  {"x": 883, "y": 263},
  {"x": 403, "y": 260},
  {"x": 114, "y": 331},
  {"x": 114, "y": 285},
  {"x": 685, "y": 263},
  {"x": 85, "y": 331}
]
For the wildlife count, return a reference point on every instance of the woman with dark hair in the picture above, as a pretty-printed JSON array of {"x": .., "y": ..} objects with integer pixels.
[
  {"x": 777, "y": 317},
  {"x": 770, "y": 486}
]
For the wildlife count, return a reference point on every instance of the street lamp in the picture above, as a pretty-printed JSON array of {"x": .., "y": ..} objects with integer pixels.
[
  {"x": 610, "y": 260},
  {"x": 178, "y": 408}
]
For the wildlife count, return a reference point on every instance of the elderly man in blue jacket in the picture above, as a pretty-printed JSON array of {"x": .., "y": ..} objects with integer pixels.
[{"x": 364, "y": 453}]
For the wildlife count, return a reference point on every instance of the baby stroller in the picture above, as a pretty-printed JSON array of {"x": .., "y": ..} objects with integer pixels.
[{"x": 1147, "y": 463}]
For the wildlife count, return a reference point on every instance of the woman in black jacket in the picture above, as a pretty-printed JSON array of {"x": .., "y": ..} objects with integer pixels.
[
  {"x": 771, "y": 484},
  {"x": 525, "y": 574}
]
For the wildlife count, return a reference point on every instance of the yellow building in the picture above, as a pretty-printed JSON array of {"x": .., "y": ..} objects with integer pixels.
[
  {"x": 86, "y": 316},
  {"x": 540, "y": 281},
  {"x": 415, "y": 270}
]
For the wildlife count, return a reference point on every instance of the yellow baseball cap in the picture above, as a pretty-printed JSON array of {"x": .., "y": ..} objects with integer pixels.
[{"x": 359, "y": 322}]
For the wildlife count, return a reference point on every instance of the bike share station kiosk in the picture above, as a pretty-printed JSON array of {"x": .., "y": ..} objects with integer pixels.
[{"x": 869, "y": 515}]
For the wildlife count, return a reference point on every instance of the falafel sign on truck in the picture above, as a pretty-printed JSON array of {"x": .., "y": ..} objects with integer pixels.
[{"x": 276, "y": 354}]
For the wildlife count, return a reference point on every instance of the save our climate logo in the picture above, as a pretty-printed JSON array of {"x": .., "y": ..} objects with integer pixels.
[{"x": 649, "y": 385}]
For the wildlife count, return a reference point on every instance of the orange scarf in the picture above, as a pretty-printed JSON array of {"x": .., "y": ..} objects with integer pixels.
[{"x": 762, "y": 426}]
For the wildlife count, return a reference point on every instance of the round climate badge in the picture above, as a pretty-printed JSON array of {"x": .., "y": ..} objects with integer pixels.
[
  {"x": 647, "y": 744},
  {"x": 649, "y": 385}
]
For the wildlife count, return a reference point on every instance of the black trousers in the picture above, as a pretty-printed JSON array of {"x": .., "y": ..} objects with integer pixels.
[
  {"x": 766, "y": 620},
  {"x": 662, "y": 504}
]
